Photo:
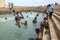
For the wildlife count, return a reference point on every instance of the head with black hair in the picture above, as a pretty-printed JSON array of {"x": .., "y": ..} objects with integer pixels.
[{"x": 48, "y": 5}]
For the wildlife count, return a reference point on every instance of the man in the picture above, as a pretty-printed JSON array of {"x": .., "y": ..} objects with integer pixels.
[
  {"x": 50, "y": 10},
  {"x": 17, "y": 18}
]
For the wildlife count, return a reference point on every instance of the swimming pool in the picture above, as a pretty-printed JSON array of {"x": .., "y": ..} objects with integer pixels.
[{"x": 9, "y": 31}]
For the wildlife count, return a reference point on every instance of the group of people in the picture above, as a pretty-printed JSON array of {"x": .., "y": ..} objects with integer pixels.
[
  {"x": 39, "y": 31},
  {"x": 49, "y": 11},
  {"x": 18, "y": 19}
]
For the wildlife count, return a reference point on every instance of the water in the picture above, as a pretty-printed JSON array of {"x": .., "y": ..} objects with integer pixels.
[{"x": 9, "y": 31}]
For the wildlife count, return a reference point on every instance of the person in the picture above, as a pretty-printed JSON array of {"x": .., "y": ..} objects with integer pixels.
[
  {"x": 35, "y": 20},
  {"x": 46, "y": 13},
  {"x": 39, "y": 34},
  {"x": 5, "y": 18},
  {"x": 41, "y": 27},
  {"x": 37, "y": 30},
  {"x": 37, "y": 15},
  {"x": 25, "y": 23},
  {"x": 17, "y": 18},
  {"x": 14, "y": 12},
  {"x": 50, "y": 10},
  {"x": 45, "y": 23}
]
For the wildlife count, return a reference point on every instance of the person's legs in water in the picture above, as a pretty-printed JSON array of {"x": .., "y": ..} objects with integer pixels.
[{"x": 18, "y": 23}]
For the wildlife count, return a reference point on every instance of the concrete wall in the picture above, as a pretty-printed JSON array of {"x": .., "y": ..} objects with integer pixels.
[{"x": 2, "y": 3}]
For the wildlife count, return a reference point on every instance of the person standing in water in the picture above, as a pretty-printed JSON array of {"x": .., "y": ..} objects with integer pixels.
[{"x": 18, "y": 18}]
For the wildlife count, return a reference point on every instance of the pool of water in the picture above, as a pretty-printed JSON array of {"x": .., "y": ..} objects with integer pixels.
[{"x": 9, "y": 31}]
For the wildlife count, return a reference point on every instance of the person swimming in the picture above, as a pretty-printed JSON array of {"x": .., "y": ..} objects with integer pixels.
[
  {"x": 24, "y": 23},
  {"x": 35, "y": 20},
  {"x": 14, "y": 12},
  {"x": 5, "y": 18},
  {"x": 37, "y": 15}
]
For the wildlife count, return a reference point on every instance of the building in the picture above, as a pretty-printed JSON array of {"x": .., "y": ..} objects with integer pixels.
[
  {"x": 2, "y": 3},
  {"x": 10, "y": 5}
]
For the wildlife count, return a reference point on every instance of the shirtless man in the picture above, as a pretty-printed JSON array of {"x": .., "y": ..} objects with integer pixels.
[{"x": 18, "y": 18}]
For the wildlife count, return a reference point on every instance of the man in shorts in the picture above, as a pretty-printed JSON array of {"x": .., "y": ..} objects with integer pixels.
[{"x": 18, "y": 18}]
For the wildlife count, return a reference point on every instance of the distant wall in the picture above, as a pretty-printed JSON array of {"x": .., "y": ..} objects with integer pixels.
[
  {"x": 25, "y": 9},
  {"x": 4, "y": 10},
  {"x": 22, "y": 9},
  {"x": 2, "y": 3},
  {"x": 57, "y": 7}
]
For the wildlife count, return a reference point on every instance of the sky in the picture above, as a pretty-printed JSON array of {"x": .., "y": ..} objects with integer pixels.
[{"x": 31, "y": 2}]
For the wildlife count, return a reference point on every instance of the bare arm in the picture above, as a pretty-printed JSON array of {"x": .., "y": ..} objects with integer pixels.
[{"x": 21, "y": 16}]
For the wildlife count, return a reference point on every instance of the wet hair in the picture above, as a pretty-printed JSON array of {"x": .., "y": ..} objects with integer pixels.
[
  {"x": 13, "y": 10},
  {"x": 5, "y": 18},
  {"x": 48, "y": 5}
]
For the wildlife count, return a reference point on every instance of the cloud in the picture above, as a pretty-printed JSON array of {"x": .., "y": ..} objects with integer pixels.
[
  {"x": 31, "y": 2},
  {"x": 38, "y": 0}
]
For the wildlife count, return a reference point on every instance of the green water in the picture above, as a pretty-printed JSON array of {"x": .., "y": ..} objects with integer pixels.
[{"x": 9, "y": 31}]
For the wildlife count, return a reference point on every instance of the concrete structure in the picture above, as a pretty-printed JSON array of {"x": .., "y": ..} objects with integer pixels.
[{"x": 2, "y": 3}]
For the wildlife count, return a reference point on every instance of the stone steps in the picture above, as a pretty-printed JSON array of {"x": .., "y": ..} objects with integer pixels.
[
  {"x": 56, "y": 22},
  {"x": 56, "y": 26},
  {"x": 57, "y": 17},
  {"x": 58, "y": 13},
  {"x": 52, "y": 30},
  {"x": 45, "y": 36}
]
